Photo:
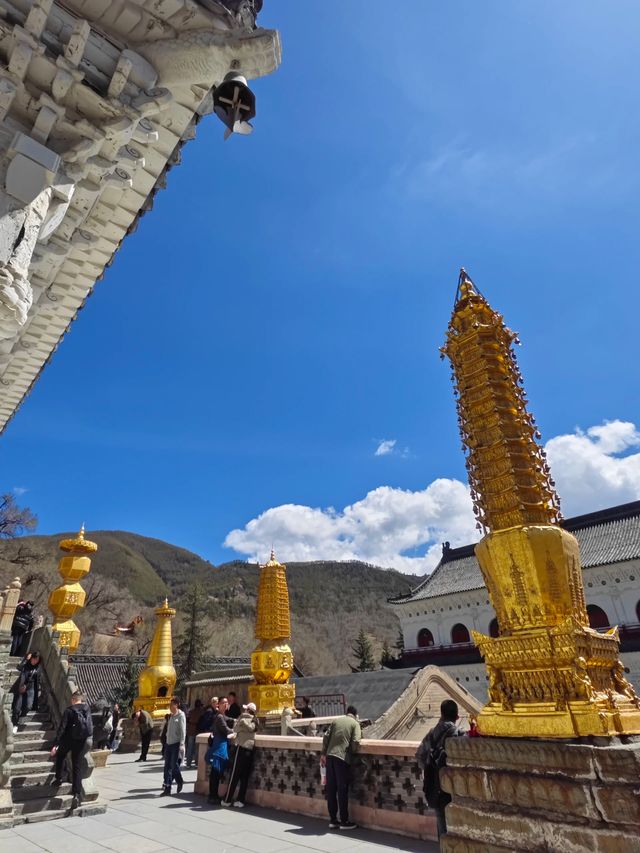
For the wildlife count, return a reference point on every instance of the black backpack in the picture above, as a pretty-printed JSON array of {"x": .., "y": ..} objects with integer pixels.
[
  {"x": 434, "y": 757},
  {"x": 82, "y": 725}
]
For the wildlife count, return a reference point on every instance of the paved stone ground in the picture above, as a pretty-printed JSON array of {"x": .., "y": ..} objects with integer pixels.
[{"x": 138, "y": 821}]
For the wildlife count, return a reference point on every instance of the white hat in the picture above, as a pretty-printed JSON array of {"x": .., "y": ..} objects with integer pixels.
[{"x": 250, "y": 707}]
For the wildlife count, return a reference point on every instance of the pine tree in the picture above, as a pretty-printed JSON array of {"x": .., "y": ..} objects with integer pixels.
[
  {"x": 128, "y": 690},
  {"x": 399, "y": 643},
  {"x": 192, "y": 648},
  {"x": 386, "y": 657},
  {"x": 364, "y": 653}
]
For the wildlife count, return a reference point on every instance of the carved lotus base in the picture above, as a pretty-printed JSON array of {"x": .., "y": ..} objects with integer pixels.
[{"x": 561, "y": 682}]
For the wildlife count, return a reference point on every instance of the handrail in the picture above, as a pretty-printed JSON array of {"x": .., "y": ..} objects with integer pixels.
[{"x": 59, "y": 681}]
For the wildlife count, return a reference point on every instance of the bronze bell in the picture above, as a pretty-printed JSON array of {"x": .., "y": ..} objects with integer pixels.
[{"x": 234, "y": 103}]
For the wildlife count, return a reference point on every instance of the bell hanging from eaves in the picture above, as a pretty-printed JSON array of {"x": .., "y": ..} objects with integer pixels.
[{"x": 234, "y": 103}]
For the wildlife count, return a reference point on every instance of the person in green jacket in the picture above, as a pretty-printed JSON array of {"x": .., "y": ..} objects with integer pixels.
[
  {"x": 145, "y": 721},
  {"x": 339, "y": 743}
]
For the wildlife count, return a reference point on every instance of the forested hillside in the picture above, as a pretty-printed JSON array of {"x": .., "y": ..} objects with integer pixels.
[{"x": 330, "y": 601}]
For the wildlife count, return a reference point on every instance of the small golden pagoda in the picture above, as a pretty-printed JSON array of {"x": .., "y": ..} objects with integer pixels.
[
  {"x": 272, "y": 660},
  {"x": 157, "y": 680},
  {"x": 69, "y": 597},
  {"x": 550, "y": 674}
]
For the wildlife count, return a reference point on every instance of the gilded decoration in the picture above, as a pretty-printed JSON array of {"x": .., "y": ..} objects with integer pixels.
[
  {"x": 158, "y": 678},
  {"x": 550, "y": 674},
  {"x": 66, "y": 599},
  {"x": 272, "y": 659}
]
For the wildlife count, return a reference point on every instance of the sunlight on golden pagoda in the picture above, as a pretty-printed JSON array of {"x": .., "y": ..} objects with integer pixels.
[
  {"x": 158, "y": 678},
  {"x": 66, "y": 599}
]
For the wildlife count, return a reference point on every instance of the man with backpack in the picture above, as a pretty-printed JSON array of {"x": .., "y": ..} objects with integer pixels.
[
  {"x": 76, "y": 727},
  {"x": 432, "y": 756}
]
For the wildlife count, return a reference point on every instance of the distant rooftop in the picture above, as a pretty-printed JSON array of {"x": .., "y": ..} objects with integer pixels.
[{"x": 607, "y": 536}]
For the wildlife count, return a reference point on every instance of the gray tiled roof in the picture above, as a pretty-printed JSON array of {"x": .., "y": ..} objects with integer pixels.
[
  {"x": 372, "y": 693},
  {"x": 609, "y": 536}
]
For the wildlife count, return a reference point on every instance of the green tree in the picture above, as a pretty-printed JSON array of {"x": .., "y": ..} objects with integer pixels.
[
  {"x": 363, "y": 652},
  {"x": 191, "y": 650},
  {"x": 399, "y": 643},
  {"x": 128, "y": 690},
  {"x": 386, "y": 656}
]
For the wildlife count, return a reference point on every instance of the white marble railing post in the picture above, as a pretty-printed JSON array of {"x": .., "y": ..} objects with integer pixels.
[{"x": 10, "y": 600}]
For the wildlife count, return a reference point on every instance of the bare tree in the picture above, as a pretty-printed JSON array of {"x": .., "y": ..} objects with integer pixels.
[{"x": 14, "y": 520}]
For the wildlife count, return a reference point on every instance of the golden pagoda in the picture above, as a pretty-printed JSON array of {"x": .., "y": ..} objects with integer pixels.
[
  {"x": 69, "y": 597},
  {"x": 550, "y": 674},
  {"x": 157, "y": 680},
  {"x": 272, "y": 660}
]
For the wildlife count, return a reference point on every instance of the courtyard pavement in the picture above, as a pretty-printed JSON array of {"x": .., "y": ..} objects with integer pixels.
[{"x": 138, "y": 821}]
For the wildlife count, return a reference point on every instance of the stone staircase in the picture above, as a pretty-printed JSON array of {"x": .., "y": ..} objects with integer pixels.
[{"x": 35, "y": 797}]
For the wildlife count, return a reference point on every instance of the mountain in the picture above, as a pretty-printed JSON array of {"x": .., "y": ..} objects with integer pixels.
[{"x": 130, "y": 574}]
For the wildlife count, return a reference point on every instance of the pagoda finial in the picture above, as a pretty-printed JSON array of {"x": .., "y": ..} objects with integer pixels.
[{"x": 81, "y": 531}]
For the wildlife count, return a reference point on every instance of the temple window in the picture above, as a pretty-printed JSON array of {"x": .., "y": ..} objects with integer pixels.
[
  {"x": 425, "y": 638},
  {"x": 460, "y": 634},
  {"x": 638, "y": 611},
  {"x": 162, "y": 691},
  {"x": 494, "y": 631},
  {"x": 597, "y": 617}
]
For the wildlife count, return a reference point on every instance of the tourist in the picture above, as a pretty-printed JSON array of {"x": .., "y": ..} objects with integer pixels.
[
  {"x": 218, "y": 754},
  {"x": 206, "y": 720},
  {"x": 115, "y": 718},
  {"x": 339, "y": 743},
  {"x": 105, "y": 728},
  {"x": 432, "y": 756},
  {"x": 25, "y": 688},
  {"x": 245, "y": 741},
  {"x": 145, "y": 722},
  {"x": 174, "y": 747},
  {"x": 234, "y": 709},
  {"x": 76, "y": 727},
  {"x": 21, "y": 626},
  {"x": 193, "y": 718},
  {"x": 163, "y": 735},
  {"x": 306, "y": 710}
]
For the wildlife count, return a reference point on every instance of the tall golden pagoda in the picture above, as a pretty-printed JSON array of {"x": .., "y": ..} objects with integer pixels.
[
  {"x": 272, "y": 660},
  {"x": 157, "y": 680},
  {"x": 69, "y": 597},
  {"x": 550, "y": 674}
]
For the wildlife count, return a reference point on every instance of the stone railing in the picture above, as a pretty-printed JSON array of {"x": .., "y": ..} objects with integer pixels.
[
  {"x": 9, "y": 599},
  {"x": 6, "y": 750},
  {"x": 58, "y": 685},
  {"x": 385, "y": 792}
]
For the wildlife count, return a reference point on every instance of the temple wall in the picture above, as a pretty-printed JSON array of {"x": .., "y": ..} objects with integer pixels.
[{"x": 385, "y": 793}]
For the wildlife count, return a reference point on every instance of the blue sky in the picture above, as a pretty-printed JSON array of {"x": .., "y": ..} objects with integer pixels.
[{"x": 278, "y": 314}]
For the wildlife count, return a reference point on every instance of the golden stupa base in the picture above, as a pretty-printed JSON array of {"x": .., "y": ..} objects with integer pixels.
[
  {"x": 561, "y": 682},
  {"x": 156, "y": 706},
  {"x": 544, "y": 720},
  {"x": 272, "y": 699},
  {"x": 69, "y": 635}
]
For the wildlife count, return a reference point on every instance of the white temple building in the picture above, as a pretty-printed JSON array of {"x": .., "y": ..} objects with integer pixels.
[{"x": 438, "y": 616}]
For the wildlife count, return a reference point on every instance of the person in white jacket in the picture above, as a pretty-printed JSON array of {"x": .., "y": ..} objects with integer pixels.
[{"x": 174, "y": 749}]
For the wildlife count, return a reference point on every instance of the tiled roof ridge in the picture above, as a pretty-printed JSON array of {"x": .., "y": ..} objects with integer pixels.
[{"x": 611, "y": 517}]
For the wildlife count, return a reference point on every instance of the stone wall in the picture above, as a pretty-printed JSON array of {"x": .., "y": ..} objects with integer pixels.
[
  {"x": 542, "y": 796},
  {"x": 385, "y": 793}
]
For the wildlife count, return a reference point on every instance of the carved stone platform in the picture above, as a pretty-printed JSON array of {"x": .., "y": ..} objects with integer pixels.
[{"x": 537, "y": 795}]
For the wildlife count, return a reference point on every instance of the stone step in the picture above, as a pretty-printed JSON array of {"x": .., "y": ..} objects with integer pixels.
[
  {"x": 42, "y": 804},
  {"x": 24, "y": 779},
  {"x": 28, "y": 744},
  {"x": 28, "y": 768},
  {"x": 26, "y": 757},
  {"x": 40, "y": 792},
  {"x": 40, "y": 817},
  {"x": 27, "y": 725}
]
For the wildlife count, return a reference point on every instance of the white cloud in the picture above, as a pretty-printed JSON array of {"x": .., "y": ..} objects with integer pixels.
[
  {"x": 20, "y": 490},
  {"x": 386, "y": 447},
  {"x": 596, "y": 468},
  {"x": 402, "y": 529}
]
